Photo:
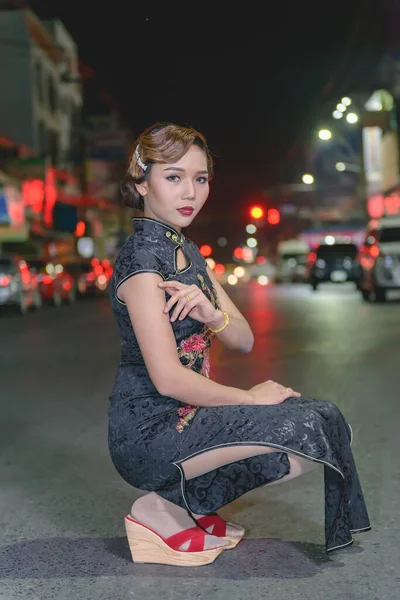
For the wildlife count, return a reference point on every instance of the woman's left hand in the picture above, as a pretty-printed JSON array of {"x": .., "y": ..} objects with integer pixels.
[{"x": 198, "y": 306}]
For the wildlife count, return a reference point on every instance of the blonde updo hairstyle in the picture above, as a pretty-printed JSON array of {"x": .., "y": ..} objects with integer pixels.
[{"x": 161, "y": 143}]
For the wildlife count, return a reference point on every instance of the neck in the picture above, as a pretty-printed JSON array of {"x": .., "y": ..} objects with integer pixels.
[{"x": 150, "y": 215}]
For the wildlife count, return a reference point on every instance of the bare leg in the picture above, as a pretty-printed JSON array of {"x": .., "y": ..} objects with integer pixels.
[{"x": 208, "y": 461}]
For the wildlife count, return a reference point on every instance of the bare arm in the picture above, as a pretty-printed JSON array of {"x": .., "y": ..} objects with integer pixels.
[
  {"x": 145, "y": 303},
  {"x": 238, "y": 334}
]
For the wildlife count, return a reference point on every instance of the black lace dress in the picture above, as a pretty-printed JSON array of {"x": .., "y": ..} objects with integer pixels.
[{"x": 151, "y": 435}]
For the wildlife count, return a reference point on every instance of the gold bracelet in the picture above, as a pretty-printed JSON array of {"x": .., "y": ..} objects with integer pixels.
[{"x": 227, "y": 319}]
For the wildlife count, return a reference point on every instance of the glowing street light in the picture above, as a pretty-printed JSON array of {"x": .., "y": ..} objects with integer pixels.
[
  {"x": 330, "y": 240},
  {"x": 346, "y": 101},
  {"x": 340, "y": 166},
  {"x": 352, "y": 118},
  {"x": 251, "y": 228},
  {"x": 252, "y": 242},
  {"x": 341, "y": 107},
  {"x": 308, "y": 179},
  {"x": 325, "y": 134},
  {"x": 337, "y": 114}
]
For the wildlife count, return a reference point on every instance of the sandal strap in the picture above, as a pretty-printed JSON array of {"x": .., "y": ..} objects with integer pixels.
[
  {"x": 219, "y": 524},
  {"x": 196, "y": 536}
]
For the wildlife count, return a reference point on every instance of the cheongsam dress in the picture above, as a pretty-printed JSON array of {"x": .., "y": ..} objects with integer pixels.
[{"x": 151, "y": 435}]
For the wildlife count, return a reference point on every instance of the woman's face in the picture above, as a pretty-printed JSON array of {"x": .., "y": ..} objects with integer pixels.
[{"x": 176, "y": 186}]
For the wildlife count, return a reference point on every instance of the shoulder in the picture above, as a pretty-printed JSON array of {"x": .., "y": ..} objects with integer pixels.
[{"x": 137, "y": 255}]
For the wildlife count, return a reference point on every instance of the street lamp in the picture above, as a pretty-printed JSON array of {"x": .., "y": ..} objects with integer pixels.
[
  {"x": 308, "y": 179},
  {"x": 346, "y": 101},
  {"x": 341, "y": 107},
  {"x": 324, "y": 134},
  {"x": 337, "y": 114},
  {"x": 352, "y": 118},
  {"x": 340, "y": 166}
]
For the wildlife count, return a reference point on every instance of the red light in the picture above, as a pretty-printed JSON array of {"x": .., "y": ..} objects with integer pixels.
[
  {"x": 33, "y": 194},
  {"x": 94, "y": 262},
  {"x": 47, "y": 279},
  {"x": 261, "y": 260},
  {"x": 105, "y": 263},
  {"x": 311, "y": 257},
  {"x": 374, "y": 251},
  {"x": 98, "y": 270},
  {"x": 273, "y": 216},
  {"x": 51, "y": 197},
  {"x": 238, "y": 253},
  {"x": 375, "y": 206},
  {"x": 205, "y": 250},
  {"x": 80, "y": 228},
  {"x": 257, "y": 212},
  {"x": 5, "y": 280},
  {"x": 247, "y": 254},
  {"x": 219, "y": 269}
]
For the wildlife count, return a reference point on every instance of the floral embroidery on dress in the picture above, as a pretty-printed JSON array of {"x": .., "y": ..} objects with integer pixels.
[
  {"x": 193, "y": 348},
  {"x": 211, "y": 293}
]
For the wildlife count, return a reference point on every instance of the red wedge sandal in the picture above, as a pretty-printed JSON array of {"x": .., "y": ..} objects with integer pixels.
[
  {"x": 219, "y": 529},
  {"x": 147, "y": 546}
]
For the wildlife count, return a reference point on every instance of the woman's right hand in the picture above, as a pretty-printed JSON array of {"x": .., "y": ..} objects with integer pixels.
[{"x": 270, "y": 392}]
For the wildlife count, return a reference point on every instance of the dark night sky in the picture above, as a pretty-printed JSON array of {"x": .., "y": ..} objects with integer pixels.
[{"x": 250, "y": 79}]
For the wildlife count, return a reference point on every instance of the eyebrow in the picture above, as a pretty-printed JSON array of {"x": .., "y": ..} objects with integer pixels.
[{"x": 182, "y": 170}]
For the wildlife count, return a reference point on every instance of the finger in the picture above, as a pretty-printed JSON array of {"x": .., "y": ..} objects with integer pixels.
[
  {"x": 188, "y": 307},
  {"x": 178, "y": 308},
  {"x": 174, "y": 298},
  {"x": 175, "y": 284}
]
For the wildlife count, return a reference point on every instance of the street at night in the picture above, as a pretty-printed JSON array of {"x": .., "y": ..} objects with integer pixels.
[{"x": 63, "y": 503}]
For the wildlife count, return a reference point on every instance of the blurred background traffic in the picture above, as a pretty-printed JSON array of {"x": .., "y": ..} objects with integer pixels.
[{"x": 330, "y": 215}]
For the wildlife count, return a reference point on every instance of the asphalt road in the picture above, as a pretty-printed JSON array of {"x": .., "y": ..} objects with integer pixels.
[{"x": 62, "y": 503}]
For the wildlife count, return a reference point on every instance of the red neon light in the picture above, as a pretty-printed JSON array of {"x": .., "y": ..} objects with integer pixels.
[
  {"x": 273, "y": 216},
  {"x": 80, "y": 228},
  {"x": 205, "y": 250}
]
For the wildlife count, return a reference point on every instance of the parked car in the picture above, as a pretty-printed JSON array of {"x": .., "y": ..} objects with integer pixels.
[
  {"x": 56, "y": 284},
  {"x": 379, "y": 259},
  {"x": 336, "y": 263},
  {"x": 91, "y": 275},
  {"x": 291, "y": 265},
  {"x": 18, "y": 285}
]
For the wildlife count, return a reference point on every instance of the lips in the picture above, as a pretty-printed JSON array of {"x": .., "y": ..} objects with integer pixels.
[{"x": 186, "y": 210}]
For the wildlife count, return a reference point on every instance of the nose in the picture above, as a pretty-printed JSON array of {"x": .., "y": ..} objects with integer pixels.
[{"x": 189, "y": 192}]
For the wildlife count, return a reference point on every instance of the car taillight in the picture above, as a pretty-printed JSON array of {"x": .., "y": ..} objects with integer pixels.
[
  {"x": 5, "y": 280},
  {"x": 311, "y": 257},
  {"x": 374, "y": 251},
  {"x": 47, "y": 279}
]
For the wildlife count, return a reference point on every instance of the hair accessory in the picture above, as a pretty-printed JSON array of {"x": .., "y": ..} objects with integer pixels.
[{"x": 139, "y": 160}]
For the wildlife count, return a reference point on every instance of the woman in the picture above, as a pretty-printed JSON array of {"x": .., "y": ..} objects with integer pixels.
[{"x": 194, "y": 444}]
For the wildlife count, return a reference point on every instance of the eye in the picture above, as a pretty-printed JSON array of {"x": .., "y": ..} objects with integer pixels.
[
  {"x": 173, "y": 178},
  {"x": 202, "y": 179}
]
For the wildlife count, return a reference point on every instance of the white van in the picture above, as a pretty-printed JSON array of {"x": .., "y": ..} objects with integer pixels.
[
  {"x": 379, "y": 259},
  {"x": 291, "y": 261}
]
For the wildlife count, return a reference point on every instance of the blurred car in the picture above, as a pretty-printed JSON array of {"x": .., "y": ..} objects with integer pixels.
[
  {"x": 379, "y": 259},
  {"x": 56, "y": 285},
  {"x": 91, "y": 276},
  {"x": 336, "y": 263},
  {"x": 18, "y": 285},
  {"x": 291, "y": 263}
]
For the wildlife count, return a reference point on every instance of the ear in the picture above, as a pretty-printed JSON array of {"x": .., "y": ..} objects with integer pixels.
[{"x": 142, "y": 188}]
